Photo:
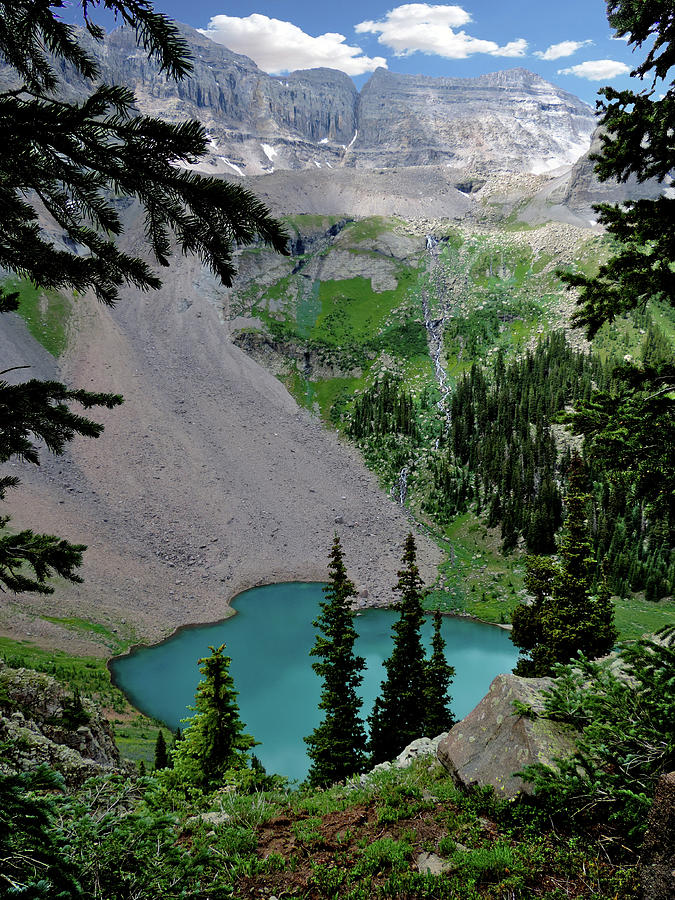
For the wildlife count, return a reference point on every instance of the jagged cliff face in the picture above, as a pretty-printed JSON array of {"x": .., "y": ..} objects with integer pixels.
[
  {"x": 509, "y": 121},
  {"x": 583, "y": 189},
  {"x": 256, "y": 122},
  {"x": 506, "y": 122},
  {"x": 231, "y": 89}
]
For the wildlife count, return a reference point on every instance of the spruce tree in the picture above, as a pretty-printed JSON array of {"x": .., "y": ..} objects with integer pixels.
[
  {"x": 398, "y": 714},
  {"x": 35, "y": 863},
  {"x": 566, "y": 617},
  {"x": 161, "y": 755},
  {"x": 214, "y": 740},
  {"x": 438, "y": 674},
  {"x": 620, "y": 426},
  {"x": 78, "y": 160},
  {"x": 337, "y": 746},
  {"x": 528, "y": 621}
]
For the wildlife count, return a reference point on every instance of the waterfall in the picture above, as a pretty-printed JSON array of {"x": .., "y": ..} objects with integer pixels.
[{"x": 399, "y": 490}]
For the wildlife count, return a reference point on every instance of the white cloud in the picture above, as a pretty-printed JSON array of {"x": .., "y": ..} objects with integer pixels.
[
  {"x": 564, "y": 48},
  {"x": 423, "y": 28},
  {"x": 278, "y": 46},
  {"x": 597, "y": 69}
]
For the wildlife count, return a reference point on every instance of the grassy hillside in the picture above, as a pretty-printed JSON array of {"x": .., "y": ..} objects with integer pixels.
[
  {"x": 492, "y": 289},
  {"x": 366, "y": 299},
  {"x": 46, "y": 314}
]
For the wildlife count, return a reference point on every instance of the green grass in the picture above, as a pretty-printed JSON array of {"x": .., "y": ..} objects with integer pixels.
[
  {"x": 476, "y": 578},
  {"x": 664, "y": 317},
  {"x": 136, "y": 738},
  {"x": 541, "y": 262},
  {"x": 635, "y": 617},
  {"x": 506, "y": 298},
  {"x": 45, "y": 313},
  {"x": 352, "y": 312},
  {"x": 326, "y": 392},
  {"x": 455, "y": 239},
  {"x": 591, "y": 255},
  {"x": 617, "y": 339},
  {"x": 304, "y": 222},
  {"x": 493, "y": 265},
  {"x": 308, "y": 310},
  {"x": 87, "y": 673},
  {"x": 368, "y": 229},
  {"x": 109, "y": 637},
  {"x": 322, "y": 392}
]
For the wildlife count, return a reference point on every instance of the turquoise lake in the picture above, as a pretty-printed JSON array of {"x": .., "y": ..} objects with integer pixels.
[{"x": 269, "y": 641}]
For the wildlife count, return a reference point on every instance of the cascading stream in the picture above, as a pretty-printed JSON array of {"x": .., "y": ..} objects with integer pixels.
[
  {"x": 434, "y": 328},
  {"x": 399, "y": 489}
]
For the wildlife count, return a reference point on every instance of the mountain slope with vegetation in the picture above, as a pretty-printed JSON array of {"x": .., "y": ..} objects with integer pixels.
[{"x": 451, "y": 362}]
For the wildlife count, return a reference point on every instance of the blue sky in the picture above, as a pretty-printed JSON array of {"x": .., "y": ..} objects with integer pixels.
[{"x": 568, "y": 43}]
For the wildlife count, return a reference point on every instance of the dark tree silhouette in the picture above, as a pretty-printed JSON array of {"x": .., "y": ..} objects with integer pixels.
[
  {"x": 438, "y": 674},
  {"x": 565, "y": 618},
  {"x": 337, "y": 746},
  {"x": 398, "y": 713}
]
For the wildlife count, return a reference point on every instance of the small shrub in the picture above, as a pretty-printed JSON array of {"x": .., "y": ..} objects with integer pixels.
[
  {"x": 237, "y": 840},
  {"x": 486, "y": 863},
  {"x": 384, "y": 854},
  {"x": 307, "y": 832}
]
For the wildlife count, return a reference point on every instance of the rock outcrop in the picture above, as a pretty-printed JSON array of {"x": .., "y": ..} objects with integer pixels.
[
  {"x": 584, "y": 189},
  {"x": 657, "y": 867},
  {"x": 510, "y": 121},
  {"x": 43, "y": 723},
  {"x": 256, "y": 122},
  {"x": 406, "y": 145},
  {"x": 494, "y": 742}
]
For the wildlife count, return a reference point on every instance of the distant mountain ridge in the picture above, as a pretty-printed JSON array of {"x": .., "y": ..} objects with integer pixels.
[{"x": 505, "y": 122}]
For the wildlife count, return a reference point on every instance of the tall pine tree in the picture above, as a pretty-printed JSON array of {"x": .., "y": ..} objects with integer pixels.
[
  {"x": 214, "y": 740},
  {"x": 337, "y": 746},
  {"x": 161, "y": 754},
  {"x": 398, "y": 716},
  {"x": 636, "y": 143},
  {"x": 566, "y": 617},
  {"x": 439, "y": 674}
]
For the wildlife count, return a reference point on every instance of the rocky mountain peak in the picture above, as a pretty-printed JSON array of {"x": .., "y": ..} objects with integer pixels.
[{"x": 504, "y": 122}]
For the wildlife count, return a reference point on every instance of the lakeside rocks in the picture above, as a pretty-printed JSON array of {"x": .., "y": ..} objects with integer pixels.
[
  {"x": 494, "y": 742},
  {"x": 41, "y": 722}
]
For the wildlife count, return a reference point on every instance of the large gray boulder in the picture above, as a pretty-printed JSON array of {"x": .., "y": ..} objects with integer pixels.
[
  {"x": 657, "y": 868},
  {"x": 494, "y": 742}
]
